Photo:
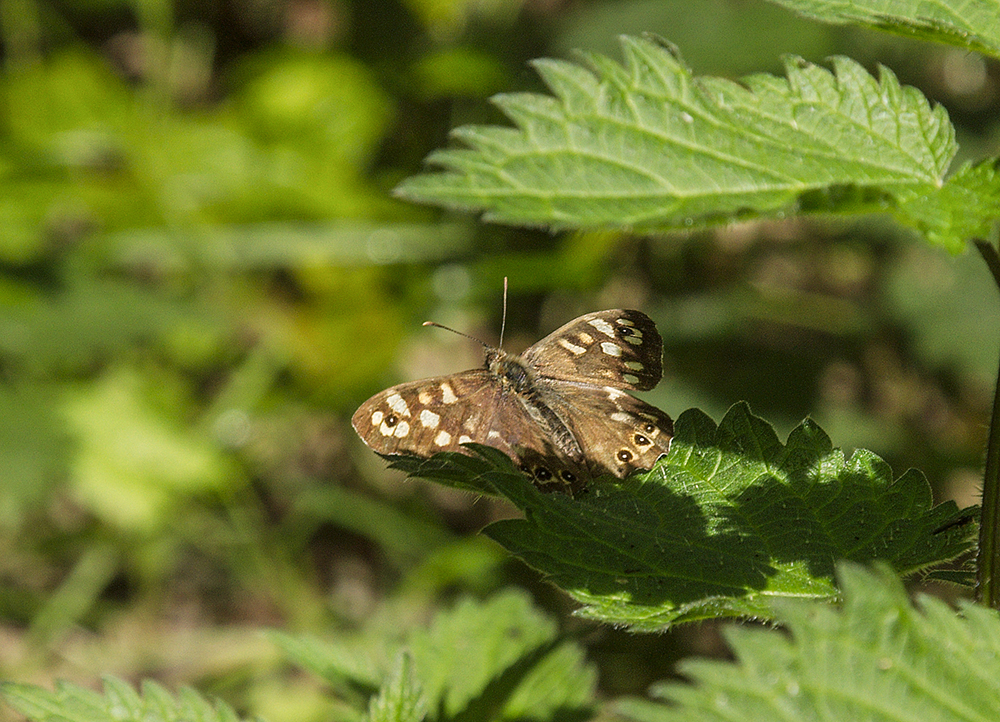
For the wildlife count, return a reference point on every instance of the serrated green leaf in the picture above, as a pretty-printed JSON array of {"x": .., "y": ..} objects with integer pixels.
[
  {"x": 119, "y": 703},
  {"x": 965, "y": 207},
  {"x": 879, "y": 659},
  {"x": 647, "y": 145},
  {"x": 728, "y": 521},
  {"x": 969, "y": 24},
  {"x": 466, "y": 648},
  {"x": 400, "y": 699},
  {"x": 495, "y": 659},
  {"x": 498, "y": 658},
  {"x": 340, "y": 663}
]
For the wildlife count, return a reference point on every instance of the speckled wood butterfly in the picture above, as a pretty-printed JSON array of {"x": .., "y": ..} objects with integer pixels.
[{"x": 559, "y": 410}]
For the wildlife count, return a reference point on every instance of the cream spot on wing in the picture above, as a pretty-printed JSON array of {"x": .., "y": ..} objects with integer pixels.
[
  {"x": 385, "y": 429},
  {"x": 425, "y": 397},
  {"x": 570, "y": 346},
  {"x": 630, "y": 379},
  {"x": 398, "y": 404},
  {"x": 463, "y": 439},
  {"x": 603, "y": 326},
  {"x": 621, "y": 417},
  {"x": 611, "y": 349},
  {"x": 493, "y": 434},
  {"x": 625, "y": 321},
  {"x": 634, "y": 365},
  {"x": 443, "y": 438},
  {"x": 469, "y": 424},
  {"x": 634, "y": 338},
  {"x": 448, "y": 394},
  {"x": 377, "y": 418},
  {"x": 585, "y": 337},
  {"x": 402, "y": 429},
  {"x": 429, "y": 419},
  {"x": 614, "y": 393}
]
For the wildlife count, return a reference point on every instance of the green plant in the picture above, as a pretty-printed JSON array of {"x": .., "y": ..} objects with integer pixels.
[{"x": 732, "y": 522}]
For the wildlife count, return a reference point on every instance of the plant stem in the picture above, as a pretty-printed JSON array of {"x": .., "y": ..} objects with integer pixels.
[{"x": 988, "y": 561}]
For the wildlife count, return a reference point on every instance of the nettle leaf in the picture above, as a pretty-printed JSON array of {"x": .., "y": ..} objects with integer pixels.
[
  {"x": 968, "y": 24},
  {"x": 966, "y": 206},
  {"x": 349, "y": 666},
  {"x": 400, "y": 699},
  {"x": 879, "y": 658},
  {"x": 495, "y": 659},
  {"x": 650, "y": 147},
  {"x": 728, "y": 521},
  {"x": 501, "y": 657},
  {"x": 119, "y": 703}
]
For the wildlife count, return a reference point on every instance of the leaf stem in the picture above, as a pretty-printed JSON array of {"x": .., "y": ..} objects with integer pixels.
[{"x": 988, "y": 561}]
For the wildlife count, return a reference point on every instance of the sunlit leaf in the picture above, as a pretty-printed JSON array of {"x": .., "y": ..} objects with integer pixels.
[
  {"x": 119, "y": 702},
  {"x": 880, "y": 658},
  {"x": 647, "y": 145},
  {"x": 968, "y": 24}
]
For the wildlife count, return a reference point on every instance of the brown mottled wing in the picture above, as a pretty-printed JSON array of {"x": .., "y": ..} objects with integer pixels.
[
  {"x": 440, "y": 414},
  {"x": 617, "y": 432},
  {"x": 619, "y": 348}
]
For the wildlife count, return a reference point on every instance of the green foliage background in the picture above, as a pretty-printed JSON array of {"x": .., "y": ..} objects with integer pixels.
[{"x": 203, "y": 272}]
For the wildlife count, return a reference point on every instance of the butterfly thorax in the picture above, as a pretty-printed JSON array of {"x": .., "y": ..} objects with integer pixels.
[{"x": 510, "y": 371}]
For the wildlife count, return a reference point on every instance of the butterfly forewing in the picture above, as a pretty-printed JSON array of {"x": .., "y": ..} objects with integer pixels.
[
  {"x": 441, "y": 414},
  {"x": 618, "y": 347},
  {"x": 423, "y": 417}
]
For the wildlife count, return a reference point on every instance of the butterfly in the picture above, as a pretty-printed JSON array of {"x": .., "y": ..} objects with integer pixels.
[{"x": 560, "y": 409}]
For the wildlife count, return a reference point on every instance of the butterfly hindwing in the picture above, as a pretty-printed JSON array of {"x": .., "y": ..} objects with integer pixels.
[{"x": 617, "y": 432}]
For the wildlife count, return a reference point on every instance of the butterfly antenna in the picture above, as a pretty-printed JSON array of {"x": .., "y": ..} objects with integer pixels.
[
  {"x": 503, "y": 317},
  {"x": 503, "y": 322},
  {"x": 446, "y": 328}
]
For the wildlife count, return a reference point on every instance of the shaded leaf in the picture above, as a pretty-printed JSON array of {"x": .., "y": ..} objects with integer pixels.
[{"x": 728, "y": 521}]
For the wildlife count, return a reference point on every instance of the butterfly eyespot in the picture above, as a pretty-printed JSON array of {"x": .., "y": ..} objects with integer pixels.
[
  {"x": 649, "y": 428},
  {"x": 625, "y": 331},
  {"x": 567, "y": 476},
  {"x": 641, "y": 440},
  {"x": 543, "y": 474},
  {"x": 624, "y": 455},
  {"x": 391, "y": 420}
]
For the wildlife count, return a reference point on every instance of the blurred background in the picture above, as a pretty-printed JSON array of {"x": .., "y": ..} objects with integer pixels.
[{"x": 203, "y": 273}]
